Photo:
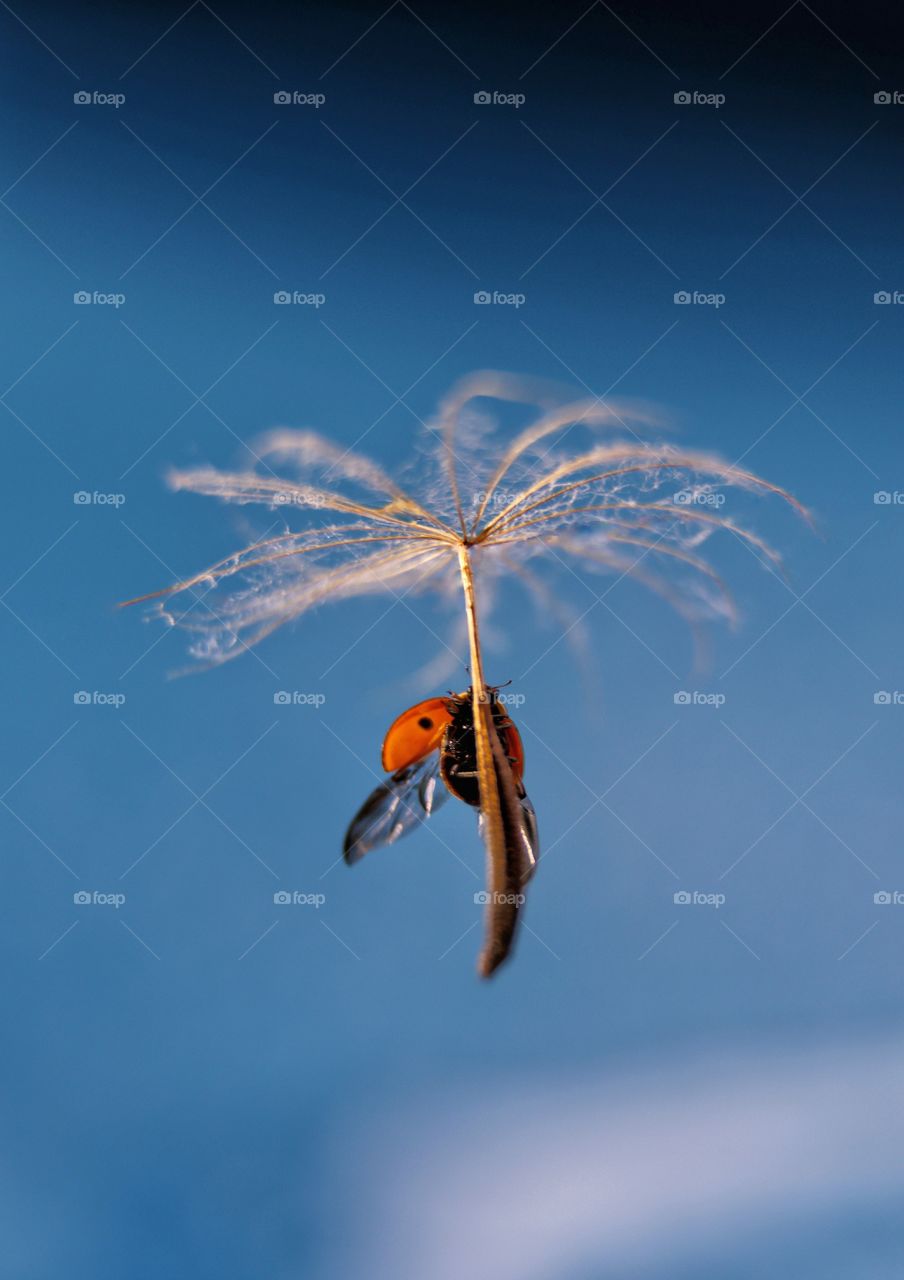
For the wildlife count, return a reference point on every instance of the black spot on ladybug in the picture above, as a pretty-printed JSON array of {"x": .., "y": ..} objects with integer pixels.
[{"x": 425, "y": 722}]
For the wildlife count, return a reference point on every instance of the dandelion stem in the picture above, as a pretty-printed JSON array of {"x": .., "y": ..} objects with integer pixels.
[
  {"x": 489, "y": 791},
  {"x": 504, "y": 880}
]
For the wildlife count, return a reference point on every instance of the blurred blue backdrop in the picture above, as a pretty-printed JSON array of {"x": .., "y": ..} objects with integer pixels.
[{"x": 199, "y": 1083}]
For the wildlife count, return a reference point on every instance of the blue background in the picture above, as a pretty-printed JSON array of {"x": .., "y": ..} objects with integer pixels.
[{"x": 199, "y": 1083}]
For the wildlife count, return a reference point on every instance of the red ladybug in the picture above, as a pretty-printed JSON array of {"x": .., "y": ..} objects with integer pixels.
[{"x": 434, "y": 741}]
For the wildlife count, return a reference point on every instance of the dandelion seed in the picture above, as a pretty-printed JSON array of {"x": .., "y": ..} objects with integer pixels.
[{"x": 621, "y": 504}]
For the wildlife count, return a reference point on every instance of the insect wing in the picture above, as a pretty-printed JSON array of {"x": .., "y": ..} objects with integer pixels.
[
  {"x": 529, "y": 833},
  {"x": 395, "y": 807},
  {"x": 527, "y": 837}
]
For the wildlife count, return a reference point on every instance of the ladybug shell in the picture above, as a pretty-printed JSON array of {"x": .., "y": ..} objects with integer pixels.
[{"x": 415, "y": 733}]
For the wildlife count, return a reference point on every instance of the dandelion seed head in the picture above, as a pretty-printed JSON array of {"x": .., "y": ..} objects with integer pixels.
[{"x": 528, "y": 478}]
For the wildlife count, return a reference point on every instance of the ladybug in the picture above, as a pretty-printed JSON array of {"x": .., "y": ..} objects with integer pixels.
[{"x": 430, "y": 751}]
